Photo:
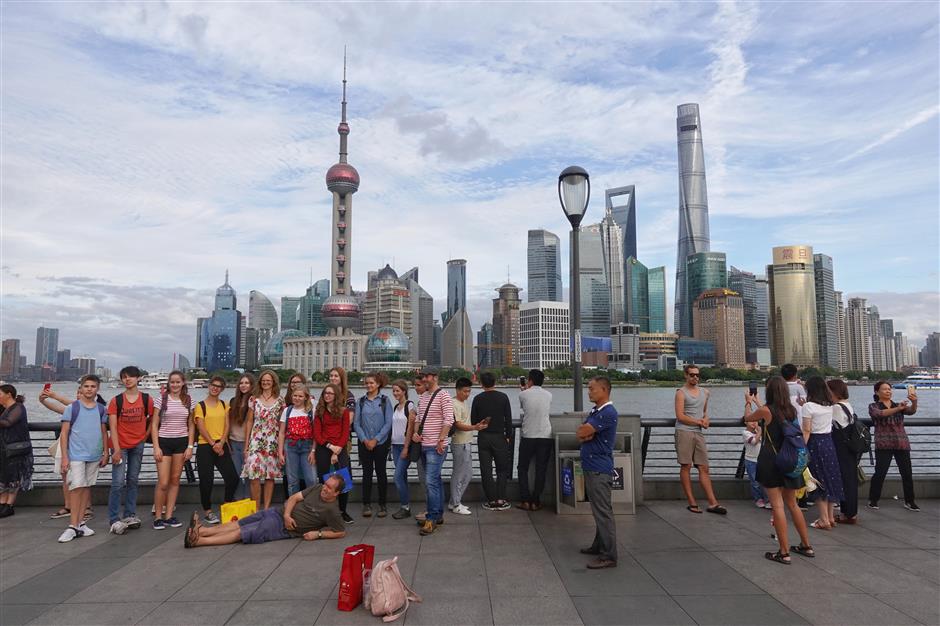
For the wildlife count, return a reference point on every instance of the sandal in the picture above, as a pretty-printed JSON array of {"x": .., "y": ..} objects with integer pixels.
[
  {"x": 194, "y": 520},
  {"x": 191, "y": 539},
  {"x": 820, "y": 526},
  {"x": 63, "y": 512},
  {"x": 717, "y": 510},
  {"x": 693, "y": 508},
  {"x": 779, "y": 557},
  {"x": 806, "y": 551}
]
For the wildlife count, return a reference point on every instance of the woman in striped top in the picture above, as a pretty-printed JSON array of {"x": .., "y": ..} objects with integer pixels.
[{"x": 171, "y": 431}]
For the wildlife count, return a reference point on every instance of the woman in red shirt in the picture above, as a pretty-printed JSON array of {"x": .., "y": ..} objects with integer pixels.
[{"x": 331, "y": 433}]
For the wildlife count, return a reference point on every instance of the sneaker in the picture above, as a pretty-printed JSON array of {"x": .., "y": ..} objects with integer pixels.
[
  {"x": 382, "y": 511},
  {"x": 768, "y": 505},
  {"x": 173, "y": 522},
  {"x": 873, "y": 505},
  {"x": 119, "y": 527},
  {"x": 910, "y": 506},
  {"x": 6, "y": 510},
  {"x": 803, "y": 506},
  {"x": 85, "y": 531},
  {"x": 490, "y": 506},
  {"x": 402, "y": 513},
  {"x": 132, "y": 521},
  {"x": 367, "y": 510},
  {"x": 63, "y": 512},
  {"x": 348, "y": 518},
  {"x": 158, "y": 524},
  {"x": 461, "y": 509},
  {"x": 428, "y": 528},
  {"x": 70, "y": 533},
  {"x": 211, "y": 519},
  {"x": 503, "y": 506},
  {"x": 421, "y": 516},
  {"x": 759, "y": 503}
]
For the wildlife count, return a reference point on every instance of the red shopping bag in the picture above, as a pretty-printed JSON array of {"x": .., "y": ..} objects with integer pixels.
[{"x": 357, "y": 564}]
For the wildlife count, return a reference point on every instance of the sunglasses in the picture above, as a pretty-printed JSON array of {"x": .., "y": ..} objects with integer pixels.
[
  {"x": 217, "y": 386},
  {"x": 691, "y": 375}
]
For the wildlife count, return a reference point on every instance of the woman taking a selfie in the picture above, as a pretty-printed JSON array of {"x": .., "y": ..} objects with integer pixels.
[{"x": 891, "y": 441}]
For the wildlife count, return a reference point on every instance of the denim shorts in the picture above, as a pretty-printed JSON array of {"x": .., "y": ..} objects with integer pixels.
[{"x": 266, "y": 525}]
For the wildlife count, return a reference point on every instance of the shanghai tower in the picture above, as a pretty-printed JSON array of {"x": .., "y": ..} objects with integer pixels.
[{"x": 693, "y": 208}]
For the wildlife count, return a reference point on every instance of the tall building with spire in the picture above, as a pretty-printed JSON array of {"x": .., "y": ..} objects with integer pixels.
[
  {"x": 621, "y": 204},
  {"x": 220, "y": 336},
  {"x": 693, "y": 208},
  {"x": 613, "y": 246},
  {"x": 341, "y": 311}
]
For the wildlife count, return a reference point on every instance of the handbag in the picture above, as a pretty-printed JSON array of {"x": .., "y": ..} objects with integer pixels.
[
  {"x": 414, "y": 447},
  {"x": 862, "y": 476},
  {"x": 15, "y": 449},
  {"x": 356, "y": 566},
  {"x": 342, "y": 472},
  {"x": 857, "y": 435}
]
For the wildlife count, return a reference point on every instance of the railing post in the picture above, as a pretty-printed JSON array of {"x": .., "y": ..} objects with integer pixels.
[{"x": 645, "y": 445}]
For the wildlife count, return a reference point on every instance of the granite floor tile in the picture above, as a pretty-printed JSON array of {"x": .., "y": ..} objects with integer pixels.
[
  {"x": 838, "y": 609},
  {"x": 192, "y": 613},
  {"x": 96, "y": 614},
  {"x": 694, "y": 573},
  {"x": 551, "y": 611},
  {"x": 858, "y": 569},
  {"x": 60, "y": 582},
  {"x": 513, "y": 575},
  {"x": 631, "y": 610},
  {"x": 450, "y": 575},
  {"x": 22, "y": 567},
  {"x": 436, "y": 610},
  {"x": 163, "y": 576},
  {"x": 923, "y": 608},
  {"x": 18, "y": 614},
  {"x": 920, "y": 562},
  {"x": 733, "y": 610},
  {"x": 771, "y": 576},
  {"x": 233, "y": 577},
  {"x": 288, "y": 612}
]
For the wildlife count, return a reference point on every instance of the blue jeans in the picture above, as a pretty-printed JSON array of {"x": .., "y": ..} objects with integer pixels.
[
  {"x": 757, "y": 492},
  {"x": 124, "y": 483},
  {"x": 296, "y": 453},
  {"x": 435, "y": 486},
  {"x": 237, "y": 448},
  {"x": 401, "y": 475}
]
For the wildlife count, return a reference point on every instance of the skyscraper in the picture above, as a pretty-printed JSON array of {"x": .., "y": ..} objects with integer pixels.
[
  {"x": 858, "y": 338},
  {"x": 930, "y": 355},
  {"x": 762, "y": 311},
  {"x": 544, "y": 266},
  {"x": 289, "y": 310},
  {"x": 485, "y": 346},
  {"x": 877, "y": 342},
  {"x": 544, "y": 335},
  {"x": 47, "y": 344},
  {"x": 456, "y": 287},
  {"x": 457, "y": 341},
  {"x": 637, "y": 294},
  {"x": 718, "y": 317},
  {"x": 793, "y": 307},
  {"x": 221, "y": 334},
  {"x": 745, "y": 283},
  {"x": 827, "y": 322},
  {"x": 63, "y": 358},
  {"x": 693, "y": 207},
  {"x": 310, "y": 310},
  {"x": 10, "y": 358},
  {"x": 621, "y": 203},
  {"x": 506, "y": 325},
  {"x": 261, "y": 312},
  {"x": 422, "y": 312},
  {"x": 595, "y": 294},
  {"x": 657, "y": 291},
  {"x": 612, "y": 241},
  {"x": 340, "y": 312},
  {"x": 388, "y": 304},
  {"x": 887, "y": 336},
  {"x": 704, "y": 271},
  {"x": 841, "y": 331}
]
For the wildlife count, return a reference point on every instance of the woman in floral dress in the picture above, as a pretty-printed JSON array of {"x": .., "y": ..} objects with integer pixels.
[{"x": 262, "y": 427}]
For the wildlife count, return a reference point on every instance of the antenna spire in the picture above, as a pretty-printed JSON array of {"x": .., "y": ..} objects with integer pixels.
[{"x": 343, "y": 128}]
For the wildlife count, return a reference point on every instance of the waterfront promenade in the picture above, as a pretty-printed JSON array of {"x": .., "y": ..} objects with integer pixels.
[{"x": 488, "y": 568}]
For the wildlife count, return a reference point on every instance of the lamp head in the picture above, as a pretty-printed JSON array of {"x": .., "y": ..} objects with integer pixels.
[{"x": 574, "y": 193}]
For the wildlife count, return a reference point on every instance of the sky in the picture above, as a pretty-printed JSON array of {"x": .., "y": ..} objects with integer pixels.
[{"x": 146, "y": 148}]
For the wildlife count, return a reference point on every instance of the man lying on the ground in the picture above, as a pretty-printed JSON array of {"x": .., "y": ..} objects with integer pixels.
[{"x": 312, "y": 514}]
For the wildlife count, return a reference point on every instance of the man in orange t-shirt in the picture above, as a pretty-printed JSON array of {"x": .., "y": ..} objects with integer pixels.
[{"x": 129, "y": 421}]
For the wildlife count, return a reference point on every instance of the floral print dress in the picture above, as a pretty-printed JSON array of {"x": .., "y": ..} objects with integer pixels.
[{"x": 261, "y": 461}]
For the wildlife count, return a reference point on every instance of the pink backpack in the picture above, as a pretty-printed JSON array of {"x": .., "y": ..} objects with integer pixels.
[{"x": 388, "y": 592}]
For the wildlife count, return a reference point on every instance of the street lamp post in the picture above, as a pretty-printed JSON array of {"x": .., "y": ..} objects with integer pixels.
[{"x": 574, "y": 193}]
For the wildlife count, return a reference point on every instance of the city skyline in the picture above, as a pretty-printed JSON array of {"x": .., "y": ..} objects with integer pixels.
[{"x": 170, "y": 136}]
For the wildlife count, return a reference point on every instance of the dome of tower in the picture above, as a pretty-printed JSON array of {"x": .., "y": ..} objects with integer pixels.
[
  {"x": 387, "y": 273},
  {"x": 387, "y": 345},
  {"x": 342, "y": 178},
  {"x": 273, "y": 353},
  {"x": 340, "y": 311}
]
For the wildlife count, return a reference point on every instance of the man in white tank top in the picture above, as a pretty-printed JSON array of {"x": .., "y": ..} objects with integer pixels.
[{"x": 691, "y": 417}]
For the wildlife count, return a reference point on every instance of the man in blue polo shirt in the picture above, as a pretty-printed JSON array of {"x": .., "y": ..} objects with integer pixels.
[{"x": 597, "y": 435}]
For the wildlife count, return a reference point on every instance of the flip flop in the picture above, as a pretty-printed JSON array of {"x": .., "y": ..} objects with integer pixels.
[
  {"x": 717, "y": 510},
  {"x": 693, "y": 508},
  {"x": 819, "y": 526}
]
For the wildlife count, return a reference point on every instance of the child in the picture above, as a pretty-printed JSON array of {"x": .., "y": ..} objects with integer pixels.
[
  {"x": 297, "y": 451},
  {"x": 129, "y": 416},
  {"x": 752, "y": 435}
]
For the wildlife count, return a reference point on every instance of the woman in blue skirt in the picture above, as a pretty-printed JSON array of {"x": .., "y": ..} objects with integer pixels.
[{"x": 823, "y": 461}]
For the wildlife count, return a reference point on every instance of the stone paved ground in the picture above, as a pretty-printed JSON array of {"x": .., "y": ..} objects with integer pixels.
[{"x": 488, "y": 568}]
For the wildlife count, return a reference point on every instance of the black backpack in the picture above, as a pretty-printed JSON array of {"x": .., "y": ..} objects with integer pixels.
[{"x": 857, "y": 436}]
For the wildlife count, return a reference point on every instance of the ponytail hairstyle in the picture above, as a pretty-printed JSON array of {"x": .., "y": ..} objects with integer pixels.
[
  {"x": 11, "y": 390},
  {"x": 184, "y": 390},
  {"x": 238, "y": 409}
]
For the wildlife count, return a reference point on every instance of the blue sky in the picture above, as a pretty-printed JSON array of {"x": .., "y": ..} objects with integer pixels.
[{"x": 148, "y": 147}]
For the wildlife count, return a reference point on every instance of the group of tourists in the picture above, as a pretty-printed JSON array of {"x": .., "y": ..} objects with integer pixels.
[{"x": 819, "y": 415}]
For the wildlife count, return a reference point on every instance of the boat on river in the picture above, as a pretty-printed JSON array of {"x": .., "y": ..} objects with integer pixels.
[{"x": 920, "y": 380}]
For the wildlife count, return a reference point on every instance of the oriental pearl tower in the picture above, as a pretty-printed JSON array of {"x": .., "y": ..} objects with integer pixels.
[{"x": 341, "y": 311}]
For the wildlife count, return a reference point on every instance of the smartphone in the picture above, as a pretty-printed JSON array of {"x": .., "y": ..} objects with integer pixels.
[
  {"x": 752, "y": 388},
  {"x": 522, "y": 381},
  {"x": 47, "y": 387},
  {"x": 911, "y": 390}
]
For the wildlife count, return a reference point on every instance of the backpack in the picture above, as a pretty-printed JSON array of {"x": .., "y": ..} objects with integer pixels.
[
  {"x": 792, "y": 456},
  {"x": 119, "y": 405},
  {"x": 76, "y": 408},
  {"x": 383, "y": 402},
  {"x": 388, "y": 592},
  {"x": 857, "y": 436},
  {"x": 202, "y": 405}
]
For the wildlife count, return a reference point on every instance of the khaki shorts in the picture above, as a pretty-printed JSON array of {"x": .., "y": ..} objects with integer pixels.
[
  {"x": 82, "y": 474},
  {"x": 691, "y": 448}
]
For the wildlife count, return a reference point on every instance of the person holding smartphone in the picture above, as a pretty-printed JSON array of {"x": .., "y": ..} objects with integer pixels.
[
  {"x": 891, "y": 442},
  {"x": 492, "y": 407}
]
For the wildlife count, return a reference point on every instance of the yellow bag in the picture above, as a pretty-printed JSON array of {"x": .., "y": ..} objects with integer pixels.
[{"x": 233, "y": 511}]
